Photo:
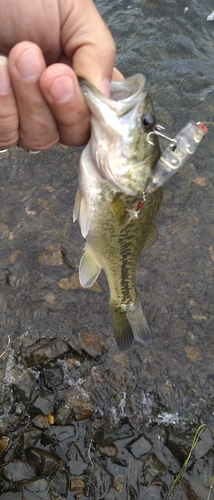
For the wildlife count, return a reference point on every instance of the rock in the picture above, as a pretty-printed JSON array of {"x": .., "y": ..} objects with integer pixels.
[
  {"x": 37, "y": 490},
  {"x": 76, "y": 461},
  {"x": 152, "y": 470},
  {"x": 24, "y": 386},
  {"x": 105, "y": 435},
  {"x": 98, "y": 481},
  {"x": 61, "y": 435},
  {"x": 109, "y": 451},
  {"x": 118, "y": 377},
  {"x": 179, "y": 444},
  {"x": 140, "y": 447},
  {"x": 204, "y": 444},
  {"x": 38, "y": 354},
  {"x": 19, "y": 471},
  {"x": 53, "y": 376},
  {"x": 43, "y": 403},
  {"x": 30, "y": 437},
  {"x": 78, "y": 403},
  {"x": 120, "y": 461},
  {"x": 4, "y": 441},
  {"x": 51, "y": 257},
  {"x": 41, "y": 421},
  {"x": 91, "y": 343},
  {"x": 45, "y": 461},
  {"x": 60, "y": 483},
  {"x": 118, "y": 483},
  {"x": 12, "y": 496},
  {"x": 77, "y": 484}
]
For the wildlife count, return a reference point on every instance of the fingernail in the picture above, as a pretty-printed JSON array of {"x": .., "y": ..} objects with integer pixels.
[
  {"x": 29, "y": 65},
  {"x": 62, "y": 89},
  {"x": 5, "y": 85}
]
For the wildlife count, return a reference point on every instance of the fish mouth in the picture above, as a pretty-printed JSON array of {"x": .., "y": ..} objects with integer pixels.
[{"x": 124, "y": 94}]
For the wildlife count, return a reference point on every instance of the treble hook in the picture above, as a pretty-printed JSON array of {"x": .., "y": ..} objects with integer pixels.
[{"x": 157, "y": 131}]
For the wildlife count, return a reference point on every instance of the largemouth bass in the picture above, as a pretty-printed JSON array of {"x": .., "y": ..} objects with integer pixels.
[{"x": 115, "y": 169}]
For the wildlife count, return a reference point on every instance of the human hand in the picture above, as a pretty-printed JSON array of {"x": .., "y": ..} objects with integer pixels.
[{"x": 40, "y": 99}]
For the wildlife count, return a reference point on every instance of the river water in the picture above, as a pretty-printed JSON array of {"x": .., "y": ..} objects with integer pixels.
[{"x": 170, "y": 384}]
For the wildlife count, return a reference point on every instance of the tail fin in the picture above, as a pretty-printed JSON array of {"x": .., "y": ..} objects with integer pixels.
[{"x": 129, "y": 323}]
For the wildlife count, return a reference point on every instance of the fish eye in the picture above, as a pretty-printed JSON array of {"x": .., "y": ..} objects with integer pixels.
[{"x": 147, "y": 121}]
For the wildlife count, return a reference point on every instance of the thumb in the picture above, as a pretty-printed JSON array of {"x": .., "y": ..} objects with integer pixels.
[{"x": 87, "y": 42}]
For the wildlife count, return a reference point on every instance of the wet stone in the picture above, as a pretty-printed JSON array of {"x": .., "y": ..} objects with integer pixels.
[
  {"x": 37, "y": 490},
  {"x": 152, "y": 470},
  {"x": 45, "y": 461},
  {"x": 12, "y": 496},
  {"x": 140, "y": 447},
  {"x": 60, "y": 483},
  {"x": 77, "y": 484},
  {"x": 132, "y": 493},
  {"x": 76, "y": 461},
  {"x": 109, "y": 451},
  {"x": 118, "y": 483},
  {"x": 91, "y": 343},
  {"x": 98, "y": 482},
  {"x": 204, "y": 444},
  {"x": 53, "y": 376},
  {"x": 24, "y": 386},
  {"x": 4, "y": 441},
  {"x": 30, "y": 437},
  {"x": 40, "y": 354},
  {"x": 41, "y": 421},
  {"x": 19, "y": 471},
  {"x": 105, "y": 435},
  {"x": 78, "y": 404},
  {"x": 179, "y": 444},
  {"x": 118, "y": 377},
  {"x": 43, "y": 403},
  {"x": 63, "y": 435}
]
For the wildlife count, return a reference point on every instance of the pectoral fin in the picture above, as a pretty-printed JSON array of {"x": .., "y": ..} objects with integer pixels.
[
  {"x": 80, "y": 212},
  {"x": 118, "y": 209},
  {"x": 89, "y": 269},
  {"x": 151, "y": 238}
]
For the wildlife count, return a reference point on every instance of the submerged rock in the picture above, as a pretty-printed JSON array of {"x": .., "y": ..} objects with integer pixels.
[
  {"x": 40, "y": 354},
  {"x": 91, "y": 343},
  {"x": 45, "y": 461},
  {"x": 43, "y": 403},
  {"x": 60, "y": 483},
  {"x": 77, "y": 403},
  {"x": 152, "y": 470},
  {"x": 98, "y": 481},
  {"x": 4, "y": 441},
  {"x": 37, "y": 490},
  {"x": 179, "y": 443},
  {"x": 12, "y": 495},
  {"x": 30, "y": 437},
  {"x": 77, "y": 484},
  {"x": 76, "y": 461},
  {"x": 19, "y": 471},
  {"x": 53, "y": 375},
  {"x": 109, "y": 451},
  {"x": 24, "y": 386},
  {"x": 140, "y": 447}
]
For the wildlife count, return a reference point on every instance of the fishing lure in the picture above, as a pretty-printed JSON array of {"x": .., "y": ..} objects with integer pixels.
[{"x": 177, "y": 153}]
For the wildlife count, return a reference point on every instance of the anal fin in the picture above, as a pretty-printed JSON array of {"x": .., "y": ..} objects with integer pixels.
[{"x": 89, "y": 269}]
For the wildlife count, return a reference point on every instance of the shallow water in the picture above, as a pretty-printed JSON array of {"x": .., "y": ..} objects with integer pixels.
[{"x": 173, "y": 378}]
